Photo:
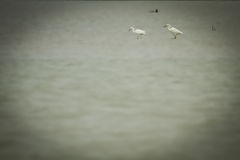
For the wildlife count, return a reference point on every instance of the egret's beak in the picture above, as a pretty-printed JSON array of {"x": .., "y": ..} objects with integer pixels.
[{"x": 165, "y": 26}]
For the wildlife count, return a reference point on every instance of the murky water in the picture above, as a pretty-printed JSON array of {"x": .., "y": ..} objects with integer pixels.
[{"x": 75, "y": 84}]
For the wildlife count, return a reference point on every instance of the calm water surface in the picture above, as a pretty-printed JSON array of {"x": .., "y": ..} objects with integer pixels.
[{"x": 75, "y": 84}]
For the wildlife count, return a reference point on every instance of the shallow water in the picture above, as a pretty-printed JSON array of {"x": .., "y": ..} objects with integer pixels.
[{"x": 75, "y": 84}]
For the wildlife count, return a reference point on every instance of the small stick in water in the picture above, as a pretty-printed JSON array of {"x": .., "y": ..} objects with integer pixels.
[{"x": 213, "y": 28}]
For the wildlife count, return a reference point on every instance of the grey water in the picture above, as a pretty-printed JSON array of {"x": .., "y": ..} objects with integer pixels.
[{"x": 76, "y": 84}]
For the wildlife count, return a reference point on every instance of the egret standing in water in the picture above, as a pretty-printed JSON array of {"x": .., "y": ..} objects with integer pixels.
[
  {"x": 138, "y": 32},
  {"x": 173, "y": 30}
]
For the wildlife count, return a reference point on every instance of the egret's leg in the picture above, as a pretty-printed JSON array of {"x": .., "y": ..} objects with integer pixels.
[{"x": 175, "y": 37}]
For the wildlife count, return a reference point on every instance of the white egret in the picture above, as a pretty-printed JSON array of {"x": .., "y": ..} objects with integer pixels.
[
  {"x": 173, "y": 30},
  {"x": 139, "y": 32}
]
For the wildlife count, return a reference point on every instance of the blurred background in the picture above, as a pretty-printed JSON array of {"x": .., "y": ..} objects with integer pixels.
[{"x": 76, "y": 84}]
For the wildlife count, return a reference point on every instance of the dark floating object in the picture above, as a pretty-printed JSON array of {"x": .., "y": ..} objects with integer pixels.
[
  {"x": 213, "y": 28},
  {"x": 154, "y": 11}
]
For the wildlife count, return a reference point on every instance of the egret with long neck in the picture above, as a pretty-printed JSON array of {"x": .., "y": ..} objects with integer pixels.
[{"x": 173, "y": 30}]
